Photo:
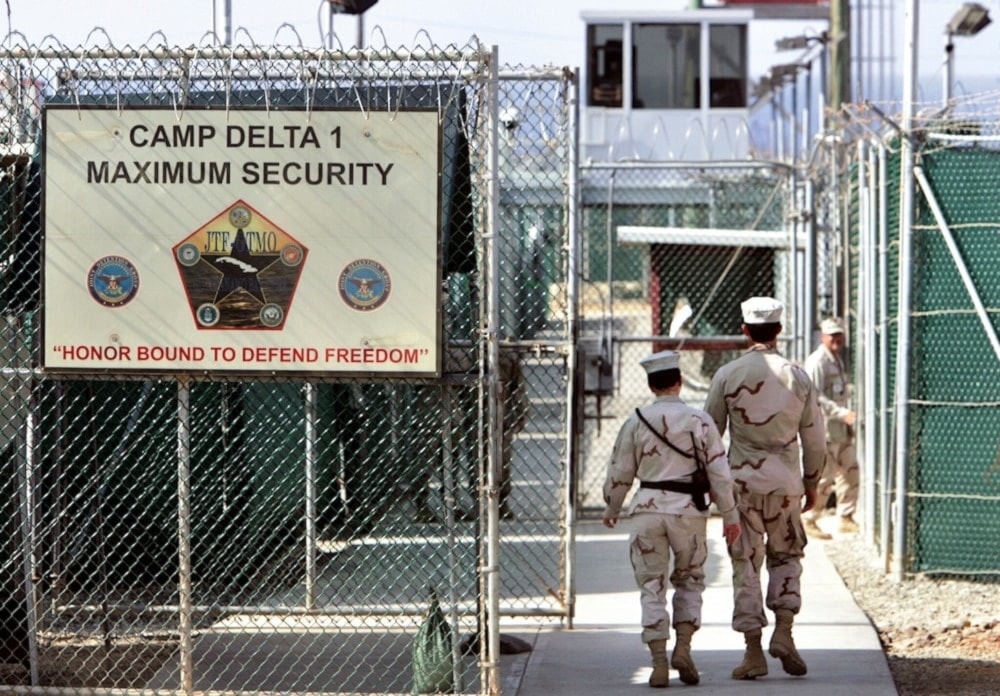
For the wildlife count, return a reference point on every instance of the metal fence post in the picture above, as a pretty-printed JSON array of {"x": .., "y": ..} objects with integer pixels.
[{"x": 185, "y": 617}]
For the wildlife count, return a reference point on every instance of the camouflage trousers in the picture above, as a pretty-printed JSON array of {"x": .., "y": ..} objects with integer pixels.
[
  {"x": 841, "y": 475},
  {"x": 772, "y": 531},
  {"x": 654, "y": 538}
]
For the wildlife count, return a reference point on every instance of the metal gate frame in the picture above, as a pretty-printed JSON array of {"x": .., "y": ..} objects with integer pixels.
[{"x": 458, "y": 65}]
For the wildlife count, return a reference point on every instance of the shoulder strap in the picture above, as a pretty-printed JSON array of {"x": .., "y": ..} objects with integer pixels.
[{"x": 667, "y": 442}]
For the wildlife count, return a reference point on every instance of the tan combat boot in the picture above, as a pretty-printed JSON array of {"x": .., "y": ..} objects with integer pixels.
[
  {"x": 782, "y": 646},
  {"x": 660, "y": 678},
  {"x": 754, "y": 663},
  {"x": 848, "y": 525},
  {"x": 681, "y": 659},
  {"x": 813, "y": 530}
]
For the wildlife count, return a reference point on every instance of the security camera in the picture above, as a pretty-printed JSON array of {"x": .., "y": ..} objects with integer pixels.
[{"x": 510, "y": 117}]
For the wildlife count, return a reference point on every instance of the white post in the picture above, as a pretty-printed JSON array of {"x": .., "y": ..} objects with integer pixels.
[
  {"x": 948, "y": 69},
  {"x": 494, "y": 409},
  {"x": 903, "y": 308},
  {"x": 184, "y": 598},
  {"x": 311, "y": 457}
]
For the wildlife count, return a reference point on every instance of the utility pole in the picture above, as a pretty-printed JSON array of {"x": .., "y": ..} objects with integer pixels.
[{"x": 840, "y": 54}]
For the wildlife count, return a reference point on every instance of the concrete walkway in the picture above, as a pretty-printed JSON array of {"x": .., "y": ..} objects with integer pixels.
[{"x": 603, "y": 653}]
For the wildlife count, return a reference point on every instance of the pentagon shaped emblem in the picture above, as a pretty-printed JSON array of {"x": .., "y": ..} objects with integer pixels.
[{"x": 240, "y": 271}]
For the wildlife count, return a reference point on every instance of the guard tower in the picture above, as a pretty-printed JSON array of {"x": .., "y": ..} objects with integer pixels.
[{"x": 664, "y": 85}]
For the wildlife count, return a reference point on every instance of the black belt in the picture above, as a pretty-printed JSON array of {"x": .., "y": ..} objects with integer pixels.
[{"x": 675, "y": 486}]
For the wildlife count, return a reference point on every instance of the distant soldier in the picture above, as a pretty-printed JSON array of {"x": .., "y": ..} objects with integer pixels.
[
  {"x": 769, "y": 405},
  {"x": 662, "y": 445},
  {"x": 825, "y": 366}
]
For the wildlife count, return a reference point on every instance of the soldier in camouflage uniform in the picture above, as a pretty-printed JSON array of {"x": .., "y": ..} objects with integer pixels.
[
  {"x": 666, "y": 520},
  {"x": 769, "y": 405},
  {"x": 826, "y": 369}
]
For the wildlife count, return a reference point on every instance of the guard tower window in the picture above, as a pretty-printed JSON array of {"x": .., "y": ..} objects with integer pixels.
[
  {"x": 667, "y": 68},
  {"x": 727, "y": 65},
  {"x": 604, "y": 64}
]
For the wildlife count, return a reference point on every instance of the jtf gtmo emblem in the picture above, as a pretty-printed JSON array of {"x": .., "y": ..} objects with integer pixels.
[{"x": 240, "y": 271}]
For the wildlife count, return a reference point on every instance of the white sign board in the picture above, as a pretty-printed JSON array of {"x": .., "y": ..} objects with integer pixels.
[{"x": 194, "y": 240}]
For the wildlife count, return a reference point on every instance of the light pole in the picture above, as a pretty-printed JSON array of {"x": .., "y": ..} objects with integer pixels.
[
  {"x": 970, "y": 19},
  {"x": 803, "y": 42},
  {"x": 787, "y": 73},
  {"x": 351, "y": 7}
]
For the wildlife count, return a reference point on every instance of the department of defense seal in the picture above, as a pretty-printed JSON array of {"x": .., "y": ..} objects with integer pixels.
[
  {"x": 113, "y": 281},
  {"x": 365, "y": 285}
]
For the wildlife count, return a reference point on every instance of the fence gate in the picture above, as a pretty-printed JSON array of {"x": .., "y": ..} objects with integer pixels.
[
  {"x": 258, "y": 530},
  {"x": 669, "y": 252}
]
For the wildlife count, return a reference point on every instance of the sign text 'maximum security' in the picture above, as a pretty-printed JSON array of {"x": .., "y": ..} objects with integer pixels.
[
  {"x": 195, "y": 137},
  {"x": 266, "y": 173}
]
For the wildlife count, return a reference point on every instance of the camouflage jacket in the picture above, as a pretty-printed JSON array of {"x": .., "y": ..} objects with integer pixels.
[
  {"x": 769, "y": 405},
  {"x": 827, "y": 373},
  {"x": 640, "y": 454}
]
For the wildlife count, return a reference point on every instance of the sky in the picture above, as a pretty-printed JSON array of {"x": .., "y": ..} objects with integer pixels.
[{"x": 527, "y": 32}]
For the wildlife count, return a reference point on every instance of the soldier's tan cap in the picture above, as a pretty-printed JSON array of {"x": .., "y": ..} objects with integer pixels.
[
  {"x": 664, "y": 360},
  {"x": 762, "y": 310},
  {"x": 831, "y": 326}
]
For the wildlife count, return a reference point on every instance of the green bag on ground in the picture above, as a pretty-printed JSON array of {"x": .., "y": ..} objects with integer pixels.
[{"x": 433, "y": 663}]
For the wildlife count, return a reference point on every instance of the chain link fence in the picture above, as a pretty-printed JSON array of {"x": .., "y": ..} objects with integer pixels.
[
  {"x": 926, "y": 292},
  {"x": 177, "y": 531},
  {"x": 670, "y": 250}
]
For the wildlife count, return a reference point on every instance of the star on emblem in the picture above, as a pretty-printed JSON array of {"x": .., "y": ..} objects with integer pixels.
[{"x": 239, "y": 270}]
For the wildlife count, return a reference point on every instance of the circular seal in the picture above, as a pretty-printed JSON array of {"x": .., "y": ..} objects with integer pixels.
[
  {"x": 113, "y": 281},
  {"x": 188, "y": 254},
  {"x": 208, "y": 314},
  {"x": 364, "y": 285},
  {"x": 271, "y": 315},
  {"x": 239, "y": 217},
  {"x": 291, "y": 255}
]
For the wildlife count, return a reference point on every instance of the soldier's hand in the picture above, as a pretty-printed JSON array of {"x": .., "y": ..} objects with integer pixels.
[
  {"x": 610, "y": 521},
  {"x": 810, "y": 500},
  {"x": 731, "y": 532},
  {"x": 851, "y": 418}
]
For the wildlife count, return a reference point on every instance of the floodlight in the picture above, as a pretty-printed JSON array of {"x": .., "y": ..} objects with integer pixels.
[
  {"x": 351, "y": 7},
  {"x": 792, "y": 43},
  {"x": 797, "y": 43},
  {"x": 970, "y": 19}
]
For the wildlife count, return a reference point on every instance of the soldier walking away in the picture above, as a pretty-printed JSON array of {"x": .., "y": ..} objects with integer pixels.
[
  {"x": 825, "y": 367},
  {"x": 769, "y": 405},
  {"x": 672, "y": 448}
]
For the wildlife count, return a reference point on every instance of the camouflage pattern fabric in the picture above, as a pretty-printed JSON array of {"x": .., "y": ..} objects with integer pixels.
[
  {"x": 640, "y": 454},
  {"x": 667, "y": 522},
  {"x": 769, "y": 405},
  {"x": 652, "y": 540},
  {"x": 840, "y": 472}
]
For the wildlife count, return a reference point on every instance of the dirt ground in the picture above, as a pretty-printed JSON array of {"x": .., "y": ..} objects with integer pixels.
[{"x": 940, "y": 636}]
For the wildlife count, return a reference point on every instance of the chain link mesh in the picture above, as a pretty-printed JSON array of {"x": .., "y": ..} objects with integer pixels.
[
  {"x": 951, "y": 486},
  {"x": 308, "y": 521},
  {"x": 670, "y": 252}
]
